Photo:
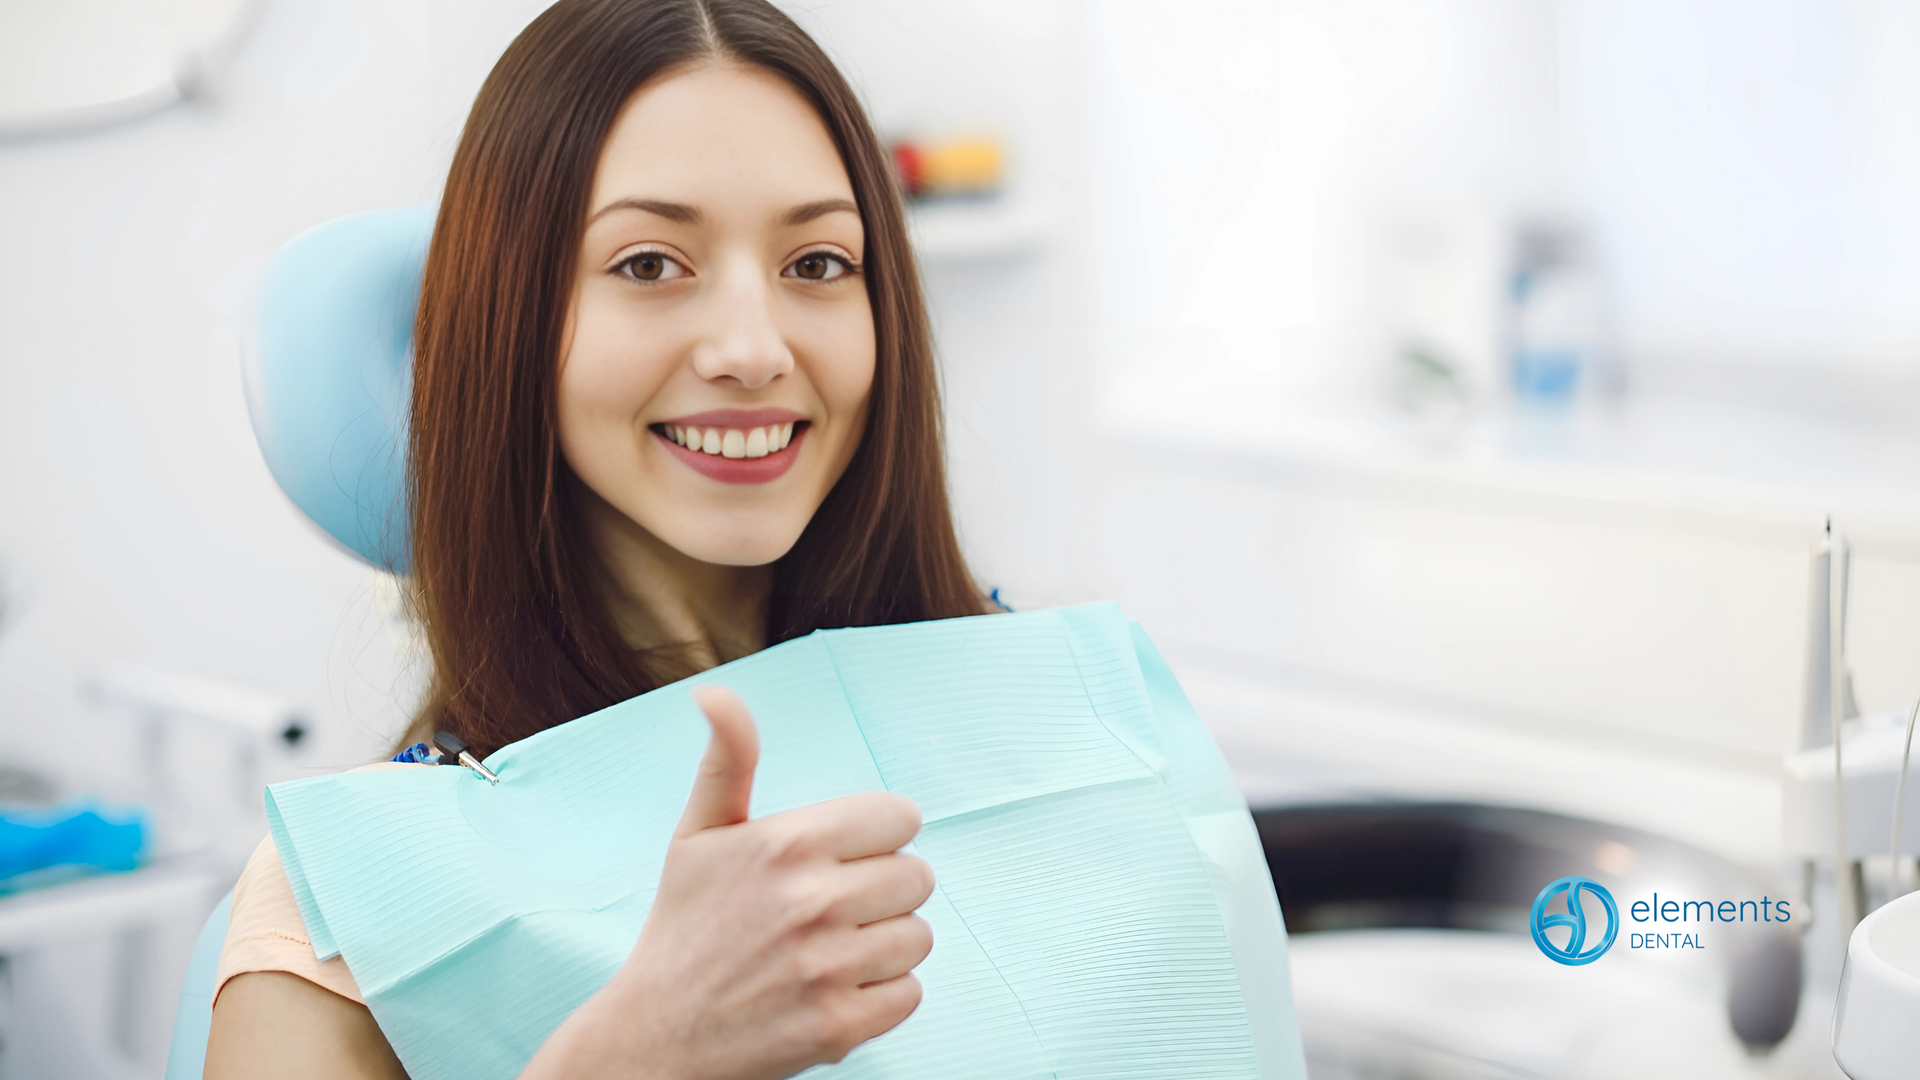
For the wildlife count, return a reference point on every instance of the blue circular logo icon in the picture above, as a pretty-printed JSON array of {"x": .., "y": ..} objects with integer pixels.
[{"x": 1574, "y": 950}]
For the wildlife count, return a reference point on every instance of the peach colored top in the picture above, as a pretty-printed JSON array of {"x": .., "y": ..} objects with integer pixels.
[{"x": 265, "y": 931}]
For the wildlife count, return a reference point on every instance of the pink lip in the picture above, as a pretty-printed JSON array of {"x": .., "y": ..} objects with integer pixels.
[
  {"x": 728, "y": 470},
  {"x": 735, "y": 418}
]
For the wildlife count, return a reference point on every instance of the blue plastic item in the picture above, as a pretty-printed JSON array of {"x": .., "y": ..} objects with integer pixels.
[
  {"x": 187, "y": 1054},
  {"x": 38, "y": 846},
  {"x": 1103, "y": 909},
  {"x": 417, "y": 754},
  {"x": 330, "y": 377}
]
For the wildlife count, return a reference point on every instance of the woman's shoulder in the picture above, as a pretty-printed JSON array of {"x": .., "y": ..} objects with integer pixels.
[{"x": 265, "y": 931}]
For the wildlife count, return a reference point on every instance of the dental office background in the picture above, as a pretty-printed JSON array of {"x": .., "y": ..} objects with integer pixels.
[{"x": 1454, "y": 388}]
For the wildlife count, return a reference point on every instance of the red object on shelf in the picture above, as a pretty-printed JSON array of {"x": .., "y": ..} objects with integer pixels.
[{"x": 911, "y": 163}]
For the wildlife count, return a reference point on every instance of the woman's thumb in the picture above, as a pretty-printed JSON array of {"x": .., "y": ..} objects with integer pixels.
[{"x": 724, "y": 784}]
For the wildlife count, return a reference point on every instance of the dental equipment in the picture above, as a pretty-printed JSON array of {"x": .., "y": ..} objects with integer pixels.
[
  {"x": 1839, "y": 686},
  {"x": 1894, "y": 890},
  {"x": 1874, "y": 1036}
]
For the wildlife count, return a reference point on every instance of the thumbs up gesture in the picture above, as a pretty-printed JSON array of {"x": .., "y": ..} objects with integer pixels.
[{"x": 773, "y": 944}]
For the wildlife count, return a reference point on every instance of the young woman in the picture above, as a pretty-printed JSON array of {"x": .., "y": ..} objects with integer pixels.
[{"x": 674, "y": 401}]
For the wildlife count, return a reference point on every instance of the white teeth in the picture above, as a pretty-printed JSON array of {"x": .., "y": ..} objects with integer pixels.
[{"x": 734, "y": 442}]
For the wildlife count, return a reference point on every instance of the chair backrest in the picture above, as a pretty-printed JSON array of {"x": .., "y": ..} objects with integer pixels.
[
  {"x": 187, "y": 1056},
  {"x": 330, "y": 375}
]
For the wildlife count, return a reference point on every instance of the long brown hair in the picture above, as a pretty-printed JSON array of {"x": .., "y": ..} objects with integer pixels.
[{"x": 504, "y": 579}]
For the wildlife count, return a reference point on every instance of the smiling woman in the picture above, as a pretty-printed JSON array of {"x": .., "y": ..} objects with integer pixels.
[
  {"x": 674, "y": 401},
  {"x": 666, "y": 216}
]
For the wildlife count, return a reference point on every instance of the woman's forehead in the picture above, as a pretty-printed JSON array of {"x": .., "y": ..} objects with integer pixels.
[{"x": 724, "y": 138}]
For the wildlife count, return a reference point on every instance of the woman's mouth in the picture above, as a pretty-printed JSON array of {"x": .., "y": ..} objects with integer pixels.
[
  {"x": 740, "y": 449},
  {"x": 756, "y": 442}
]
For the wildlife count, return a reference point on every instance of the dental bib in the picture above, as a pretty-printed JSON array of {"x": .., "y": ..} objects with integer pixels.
[{"x": 1103, "y": 906}]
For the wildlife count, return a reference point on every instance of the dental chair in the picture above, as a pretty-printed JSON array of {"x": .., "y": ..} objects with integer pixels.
[{"x": 328, "y": 384}]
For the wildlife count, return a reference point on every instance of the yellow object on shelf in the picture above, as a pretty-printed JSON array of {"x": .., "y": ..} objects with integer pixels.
[{"x": 970, "y": 165}]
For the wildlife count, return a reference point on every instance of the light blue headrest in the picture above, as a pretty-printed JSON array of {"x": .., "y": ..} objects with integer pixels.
[{"x": 329, "y": 381}]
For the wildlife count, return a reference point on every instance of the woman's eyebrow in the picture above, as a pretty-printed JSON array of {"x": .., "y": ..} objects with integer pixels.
[
  {"x": 806, "y": 212},
  {"x": 690, "y": 215},
  {"x": 672, "y": 211}
]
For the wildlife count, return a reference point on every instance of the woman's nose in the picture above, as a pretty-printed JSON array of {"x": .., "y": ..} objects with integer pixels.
[{"x": 743, "y": 342}]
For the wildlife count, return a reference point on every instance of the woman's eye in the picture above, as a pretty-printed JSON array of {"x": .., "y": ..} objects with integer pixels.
[
  {"x": 819, "y": 266},
  {"x": 652, "y": 266}
]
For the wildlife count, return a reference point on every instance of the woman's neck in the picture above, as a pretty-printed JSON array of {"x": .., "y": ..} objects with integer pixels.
[{"x": 664, "y": 600}]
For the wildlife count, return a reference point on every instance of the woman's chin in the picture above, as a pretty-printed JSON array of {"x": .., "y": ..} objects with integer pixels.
[{"x": 759, "y": 544}]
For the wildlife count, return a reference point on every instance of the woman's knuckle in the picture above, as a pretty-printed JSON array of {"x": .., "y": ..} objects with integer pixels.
[
  {"x": 831, "y": 910},
  {"x": 819, "y": 969},
  {"x": 808, "y": 970},
  {"x": 793, "y": 842},
  {"x": 806, "y": 901},
  {"x": 840, "y": 1026}
]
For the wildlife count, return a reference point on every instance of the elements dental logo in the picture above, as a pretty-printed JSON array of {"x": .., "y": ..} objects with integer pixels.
[{"x": 1574, "y": 951}]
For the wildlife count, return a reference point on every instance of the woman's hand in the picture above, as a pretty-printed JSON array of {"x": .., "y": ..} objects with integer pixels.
[{"x": 771, "y": 946}]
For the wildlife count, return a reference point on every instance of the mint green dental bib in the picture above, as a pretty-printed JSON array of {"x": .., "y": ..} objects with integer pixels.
[{"x": 1103, "y": 908}]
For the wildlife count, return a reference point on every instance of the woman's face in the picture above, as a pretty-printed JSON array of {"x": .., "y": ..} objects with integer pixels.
[{"x": 719, "y": 350}]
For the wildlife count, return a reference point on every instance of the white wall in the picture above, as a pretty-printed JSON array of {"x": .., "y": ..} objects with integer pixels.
[
  {"x": 1745, "y": 171},
  {"x": 1751, "y": 168}
]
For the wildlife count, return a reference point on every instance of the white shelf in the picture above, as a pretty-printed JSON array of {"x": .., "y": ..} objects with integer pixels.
[
  {"x": 106, "y": 903},
  {"x": 972, "y": 229},
  {"x": 1753, "y": 468},
  {"x": 1290, "y": 741}
]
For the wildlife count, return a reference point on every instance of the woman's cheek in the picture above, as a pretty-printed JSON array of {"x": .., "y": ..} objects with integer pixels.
[
  {"x": 618, "y": 363},
  {"x": 598, "y": 415},
  {"x": 844, "y": 374}
]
